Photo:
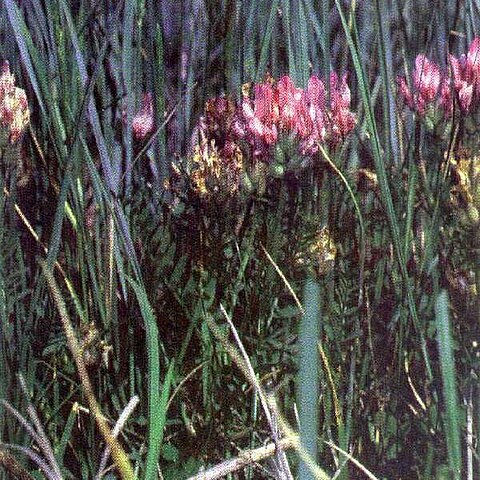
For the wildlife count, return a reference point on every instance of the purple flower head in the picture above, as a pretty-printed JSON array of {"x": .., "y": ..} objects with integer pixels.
[
  {"x": 466, "y": 76},
  {"x": 426, "y": 84},
  {"x": 342, "y": 119}
]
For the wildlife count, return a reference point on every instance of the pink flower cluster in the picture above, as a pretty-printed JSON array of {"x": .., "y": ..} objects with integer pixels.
[
  {"x": 14, "y": 112},
  {"x": 432, "y": 87},
  {"x": 304, "y": 114},
  {"x": 275, "y": 109},
  {"x": 466, "y": 76}
]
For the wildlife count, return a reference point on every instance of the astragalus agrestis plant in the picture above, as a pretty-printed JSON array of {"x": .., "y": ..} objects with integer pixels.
[{"x": 301, "y": 173}]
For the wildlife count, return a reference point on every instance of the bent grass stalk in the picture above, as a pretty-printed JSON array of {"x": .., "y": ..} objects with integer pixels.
[
  {"x": 241, "y": 364},
  {"x": 122, "y": 419},
  {"x": 282, "y": 466},
  {"x": 118, "y": 454},
  {"x": 318, "y": 473},
  {"x": 338, "y": 413},
  {"x": 80, "y": 311}
]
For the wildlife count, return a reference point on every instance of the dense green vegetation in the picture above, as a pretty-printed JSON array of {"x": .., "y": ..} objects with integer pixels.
[{"x": 183, "y": 279}]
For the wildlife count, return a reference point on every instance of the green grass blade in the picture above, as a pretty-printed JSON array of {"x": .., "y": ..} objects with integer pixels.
[
  {"x": 22, "y": 36},
  {"x": 447, "y": 366},
  {"x": 155, "y": 413},
  {"x": 318, "y": 20},
  {"x": 66, "y": 435},
  {"x": 233, "y": 49},
  {"x": 308, "y": 380},
  {"x": 267, "y": 37},
  {"x": 300, "y": 43},
  {"x": 93, "y": 115},
  {"x": 287, "y": 26},
  {"x": 160, "y": 107},
  {"x": 249, "y": 63},
  {"x": 128, "y": 77},
  {"x": 325, "y": 39},
  {"x": 411, "y": 186}
]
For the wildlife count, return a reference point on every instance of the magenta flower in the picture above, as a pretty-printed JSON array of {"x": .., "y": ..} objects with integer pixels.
[
  {"x": 339, "y": 92},
  {"x": 465, "y": 96},
  {"x": 328, "y": 123},
  {"x": 473, "y": 59},
  {"x": 461, "y": 83},
  {"x": 446, "y": 97},
  {"x": 426, "y": 83},
  {"x": 143, "y": 122},
  {"x": 342, "y": 119},
  {"x": 316, "y": 95},
  {"x": 289, "y": 103},
  {"x": 304, "y": 124},
  {"x": 426, "y": 78},
  {"x": 261, "y": 118},
  {"x": 316, "y": 98},
  {"x": 283, "y": 110},
  {"x": 466, "y": 75}
]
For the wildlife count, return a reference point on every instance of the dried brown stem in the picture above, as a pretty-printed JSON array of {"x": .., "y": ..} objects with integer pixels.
[{"x": 246, "y": 458}]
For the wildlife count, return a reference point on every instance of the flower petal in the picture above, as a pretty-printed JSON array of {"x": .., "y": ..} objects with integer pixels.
[
  {"x": 465, "y": 96},
  {"x": 473, "y": 55},
  {"x": 426, "y": 77}
]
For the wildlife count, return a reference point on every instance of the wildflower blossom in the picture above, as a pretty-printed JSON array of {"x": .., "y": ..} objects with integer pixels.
[
  {"x": 261, "y": 116},
  {"x": 319, "y": 254},
  {"x": 426, "y": 78},
  {"x": 290, "y": 103},
  {"x": 426, "y": 84},
  {"x": 143, "y": 123},
  {"x": 219, "y": 120},
  {"x": 329, "y": 123},
  {"x": 300, "y": 114},
  {"x": 465, "y": 195},
  {"x": 342, "y": 119},
  {"x": 473, "y": 58},
  {"x": 14, "y": 111},
  {"x": 462, "y": 83},
  {"x": 446, "y": 97},
  {"x": 466, "y": 75},
  {"x": 274, "y": 127},
  {"x": 316, "y": 97}
]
